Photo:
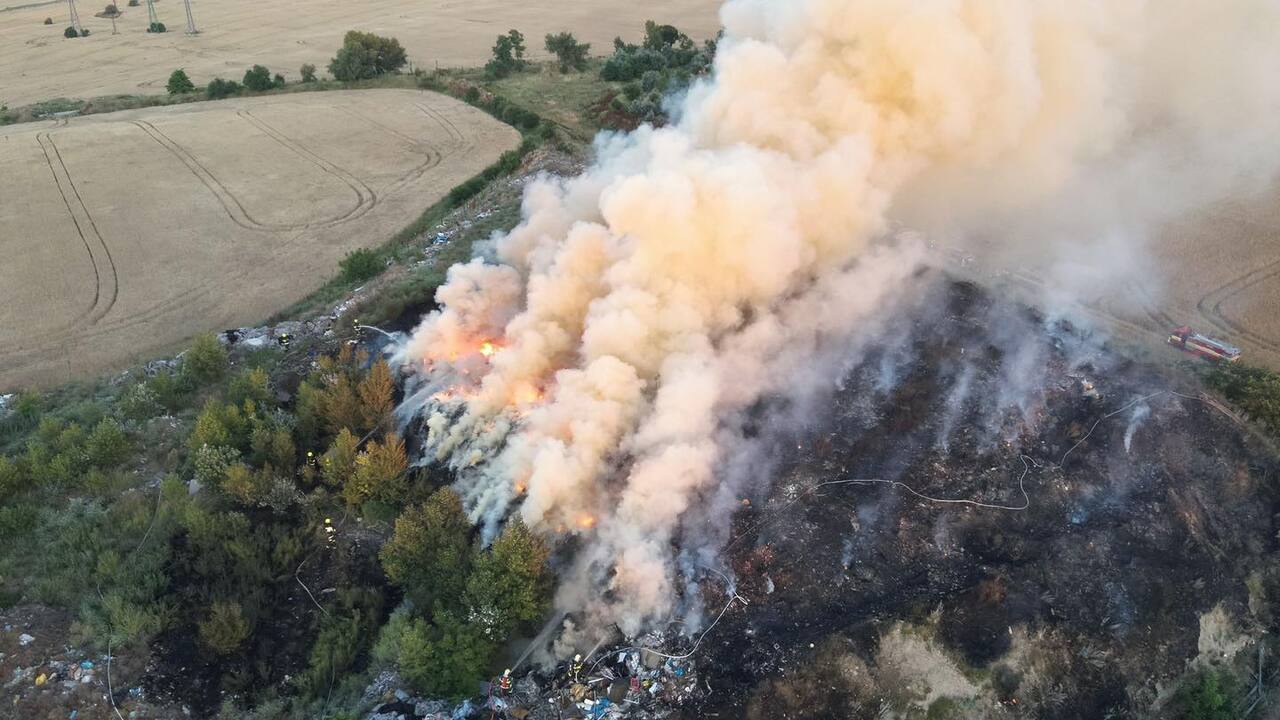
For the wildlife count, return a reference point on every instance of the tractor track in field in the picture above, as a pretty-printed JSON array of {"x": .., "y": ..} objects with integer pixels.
[
  {"x": 106, "y": 279},
  {"x": 367, "y": 199},
  {"x": 1210, "y": 304}
]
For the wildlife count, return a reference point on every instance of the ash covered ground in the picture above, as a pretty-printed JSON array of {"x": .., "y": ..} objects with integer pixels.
[{"x": 1141, "y": 550}]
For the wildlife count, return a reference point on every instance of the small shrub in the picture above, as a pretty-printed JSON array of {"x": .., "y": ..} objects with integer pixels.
[
  {"x": 257, "y": 78},
  {"x": 156, "y": 27},
  {"x": 277, "y": 80},
  {"x": 360, "y": 265},
  {"x": 205, "y": 361},
  {"x": 219, "y": 88},
  {"x": 179, "y": 83},
  {"x": 447, "y": 657},
  {"x": 225, "y": 628},
  {"x": 308, "y": 73},
  {"x": 571, "y": 53},
  {"x": 133, "y": 3},
  {"x": 70, "y": 32},
  {"x": 48, "y": 21},
  {"x": 107, "y": 446},
  {"x": 1211, "y": 695}
]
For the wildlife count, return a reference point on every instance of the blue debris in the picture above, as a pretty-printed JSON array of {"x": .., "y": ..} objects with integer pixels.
[{"x": 86, "y": 665}]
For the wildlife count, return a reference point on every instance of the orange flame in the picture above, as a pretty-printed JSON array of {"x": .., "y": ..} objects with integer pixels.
[
  {"x": 487, "y": 349},
  {"x": 525, "y": 394},
  {"x": 586, "y": 522}
]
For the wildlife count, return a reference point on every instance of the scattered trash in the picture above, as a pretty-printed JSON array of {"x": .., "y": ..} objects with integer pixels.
[
  {"x": 41, "y": 679},
  {"x": 25, "y": 639}
]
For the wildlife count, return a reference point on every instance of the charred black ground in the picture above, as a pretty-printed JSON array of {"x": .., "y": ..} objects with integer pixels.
[{"x": 1108, "y": 569}]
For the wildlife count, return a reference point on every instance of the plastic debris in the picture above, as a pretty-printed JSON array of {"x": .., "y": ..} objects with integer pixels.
[
  {"x": 41, "y": 679},
  {"x": 25, "y": 639}
]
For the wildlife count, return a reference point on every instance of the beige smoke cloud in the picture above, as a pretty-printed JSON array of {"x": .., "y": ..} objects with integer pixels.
[{"x": 696, "y": 268}]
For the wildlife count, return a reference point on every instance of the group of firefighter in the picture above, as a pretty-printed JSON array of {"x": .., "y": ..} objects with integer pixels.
[{"x": 576, "y": 674}]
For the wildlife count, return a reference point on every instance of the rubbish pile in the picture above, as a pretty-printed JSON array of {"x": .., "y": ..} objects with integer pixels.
[{"x": 628, "y": 682}]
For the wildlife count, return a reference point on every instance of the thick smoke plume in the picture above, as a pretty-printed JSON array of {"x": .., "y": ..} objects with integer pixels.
[{"x": 595, "y": 374}]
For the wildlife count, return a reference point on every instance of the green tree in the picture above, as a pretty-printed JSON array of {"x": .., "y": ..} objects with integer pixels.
[
  {"x": 257, "y": 78},
  {"x": 179, "y": 83},
  {"x": 308, "y": 73},
  {"x": 571, "y": 53},
  {"x": 377, "y": 395},
  {"x": 365, "y": 55},
  {"x": 339, "y": 462},
  {"x": 205, "y": 361},
  {"x": 446, "y": 657},
  {"x": 225, "y": 629},
  {"x": 360, "y": 265},
  {"x": 219, "y": 425},
  {"x": 428, "y": 555},
  {"x": 380, "y": 473},
  {"x": 508, "y": 55},
  {"x": 510, "y": 584}
]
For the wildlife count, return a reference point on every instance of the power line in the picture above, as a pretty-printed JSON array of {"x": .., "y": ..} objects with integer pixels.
[{"x": 191, "y": 21}]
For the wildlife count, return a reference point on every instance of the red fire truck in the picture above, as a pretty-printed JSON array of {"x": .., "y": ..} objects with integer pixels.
[{"x": 1190, "y": 341}]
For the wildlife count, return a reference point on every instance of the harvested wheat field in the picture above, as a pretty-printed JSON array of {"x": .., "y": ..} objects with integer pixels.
[
  {"x": 40, "y": 64},
  {"x": 126, "y": 233}
]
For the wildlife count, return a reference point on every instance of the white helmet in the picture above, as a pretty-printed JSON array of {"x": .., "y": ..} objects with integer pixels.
[
  {"x": 506, "y": 673},
  {"x": 577, "y": 658}
]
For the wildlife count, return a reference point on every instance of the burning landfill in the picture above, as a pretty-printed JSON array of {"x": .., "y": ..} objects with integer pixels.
[{"x": 730, "y": 300}]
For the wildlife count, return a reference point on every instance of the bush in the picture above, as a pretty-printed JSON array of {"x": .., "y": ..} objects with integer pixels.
[
  {"x": 308, "y": 73},
  {"x": 360, "y": 265},
  {"x": 277, "y": 80},
  {"x": 225, "y": 629},
  {"x": 156, "y": 27},
  {"x": 133, "y": 3},
  {"x": 508, "y": 55},
  {"x": 1210, "y": 695},
  {"x": 571, "y": 53},
  {"x": 428, "y": 555},
  {"x": 219, "y": 88},
  {"x": 107, "y": 446},
  {"x": 251, "y": 385},
  {"x": 70, "y": 32},
  {"x": 1256, "y": 391},
  {"x": 365, "y": 55},
  {"x": 205, "y": 361},
  {"x": 257, "y": 78},
  {"x": 179, "y": 83},
  {"x": 48, "y": 21}
]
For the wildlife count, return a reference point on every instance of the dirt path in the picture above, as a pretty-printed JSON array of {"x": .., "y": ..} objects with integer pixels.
[
  {"x": 125, "y": 234},
  {"x": 39, "y": 64}
]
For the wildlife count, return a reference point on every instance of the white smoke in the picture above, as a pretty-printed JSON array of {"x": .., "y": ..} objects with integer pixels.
[{"x": 596, "y": 374}]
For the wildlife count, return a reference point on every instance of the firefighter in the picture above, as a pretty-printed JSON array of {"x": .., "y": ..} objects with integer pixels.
[
  {"x": 284, "y": 339},
  {"x": 330, "y": 532},
  {"x": 504, "y": 683},
  {"x": 575, "y": 669},
  {"x": 312, "y": 460}
]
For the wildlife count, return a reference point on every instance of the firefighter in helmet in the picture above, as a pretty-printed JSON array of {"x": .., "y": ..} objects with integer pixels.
[
  {"x": 504, "y": 682},
  {"x": 284, "y": 339},
  {"x": 575, "y": 669}
]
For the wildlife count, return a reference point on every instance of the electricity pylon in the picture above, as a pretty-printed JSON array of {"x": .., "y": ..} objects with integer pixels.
[
  {"x": 191, "y": 21},
  {"x": 75, "y": 17},
  {"x": 152, "y": 19}
]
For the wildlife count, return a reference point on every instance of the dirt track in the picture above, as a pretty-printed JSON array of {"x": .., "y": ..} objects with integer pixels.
[
  {"x": 40, "y": 64},
  {"x": 125, "y": 234}
]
